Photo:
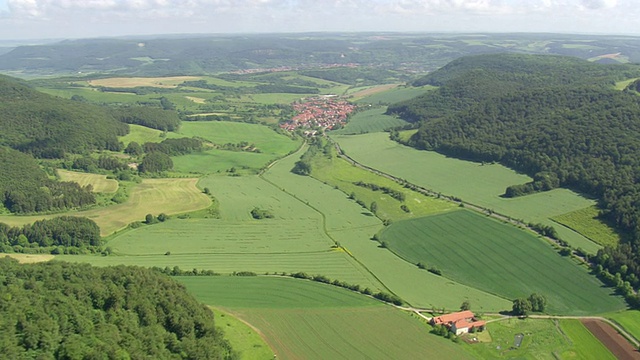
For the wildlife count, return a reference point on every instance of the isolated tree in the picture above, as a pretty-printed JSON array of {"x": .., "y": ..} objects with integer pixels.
[
  {"x": 521, "y": 306},
  {"x": 466, "y": 305},
  {"x": 538, "y": 302},
  {"x": 149, "y": 219}
]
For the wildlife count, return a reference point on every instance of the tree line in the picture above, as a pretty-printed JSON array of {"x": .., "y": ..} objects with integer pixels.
[{"x": 59, "y": 235}]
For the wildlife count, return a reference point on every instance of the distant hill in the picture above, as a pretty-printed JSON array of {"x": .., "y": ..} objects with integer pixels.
[
  {"x": 48, "y": 126},
  {"x": 210, "y": 54},
  {"x": 557, "y": 119}
]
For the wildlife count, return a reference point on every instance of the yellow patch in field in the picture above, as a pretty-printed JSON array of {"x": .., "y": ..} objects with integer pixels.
[
  {"x": 152, "y": 196},
  {"x": 29, "y": 258},
  {"x": 160, "y": 82},
  {"x": 100, "y": 183},
  {"x": 196, "y": 100}
]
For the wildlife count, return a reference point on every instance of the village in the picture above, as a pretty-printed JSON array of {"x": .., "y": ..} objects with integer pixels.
[{"x": 326, "y": 112}]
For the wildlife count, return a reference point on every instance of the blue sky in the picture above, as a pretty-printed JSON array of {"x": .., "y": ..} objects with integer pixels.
[{"x": 37, "y": 19}]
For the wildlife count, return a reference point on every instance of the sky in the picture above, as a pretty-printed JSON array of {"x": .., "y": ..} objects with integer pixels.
[{"x": 65, "y": 19}]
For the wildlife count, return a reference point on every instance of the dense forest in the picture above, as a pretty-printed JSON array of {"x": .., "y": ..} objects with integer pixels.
[
  {"x": 557, "y": 119},
  {"x": 58, "y": 310},
  {"x": 60, "y": 235},
  {"x": 48, "y": 127},
  {"x": 26, "y": 188}
]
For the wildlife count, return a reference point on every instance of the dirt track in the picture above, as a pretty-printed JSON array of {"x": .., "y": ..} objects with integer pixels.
[{"x": 617, "y": 344}]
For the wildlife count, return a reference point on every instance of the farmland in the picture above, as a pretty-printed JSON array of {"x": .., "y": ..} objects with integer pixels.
[
  {"x": 585, "y": 221},
  {"x": 243, "y": 338},
  {"x": 368, "y": 121},
  {"x": 543, "y": 339},
  {"x": 170, "y": 196},
  {"x": 100, "y": 183},
  {"x": 450, "y": 176},
  {"x": 629, "y": 320},
  {"x": 352, "y": 226},
  {"x": 514, "y": 263},
  {"x": 394, "y": 95},
  {"x": 302, "y": 319}
]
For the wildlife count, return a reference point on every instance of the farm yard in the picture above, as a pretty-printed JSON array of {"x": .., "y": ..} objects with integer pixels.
[
  {"x": 303, "y": 319},
  {"x": 543, "y": 339},
  {"x": 501, "y": 259}
]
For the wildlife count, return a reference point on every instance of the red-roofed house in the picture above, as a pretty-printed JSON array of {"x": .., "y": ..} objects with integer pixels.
[{"x": 460, "y": 322}]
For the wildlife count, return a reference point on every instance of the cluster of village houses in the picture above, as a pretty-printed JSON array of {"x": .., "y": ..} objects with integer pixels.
[{"x": 324, "y": 112}]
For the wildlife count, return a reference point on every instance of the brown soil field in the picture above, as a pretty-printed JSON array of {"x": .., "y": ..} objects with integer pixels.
[
  {"x": 29, "y": 258},
  {"x": 160, "y": 82},
  {"x": 615, "y": 342}
]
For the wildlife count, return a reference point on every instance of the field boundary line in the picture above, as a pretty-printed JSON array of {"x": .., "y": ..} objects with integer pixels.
[{"x": 324, "y": 225}]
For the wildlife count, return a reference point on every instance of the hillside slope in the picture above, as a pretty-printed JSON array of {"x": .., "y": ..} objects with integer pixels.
[
  {"x": 559, "y": 120},
  {"x": 47, "y": 126}
]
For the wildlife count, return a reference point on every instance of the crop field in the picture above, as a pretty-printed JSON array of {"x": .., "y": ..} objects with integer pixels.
[
  {"x": 142, "y": 134},
  {"x": 629, "y": 320},
  {"x": 29, "y": 258},
  {"x": 395, "y": 95},
  {"x": 100, "y": 183},
  {"x": 169, "y": 196},
  {"x": 360, "y": 93},
  {"x": 352, "y": 226},
  {"x": 501, "y": 259},
  {"x": 586, "y": 222},
  {"x": 543, "y": 339},
  {"x": 223, "y": 132},
  {"x": 341, "y": 174},
  {"x": 306, "y": 320},
  {"x": 368, "y": 121},
  {"x": 218, "y": 161},
  {"x": 451, "y": 176},
  {"x": 244, "y": 340},
  {"x": 160, "y": 82}
]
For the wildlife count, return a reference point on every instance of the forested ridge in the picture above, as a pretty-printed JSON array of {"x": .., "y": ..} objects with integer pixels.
[
  {"x": 557, "y": 119},
  {"x": 48, "y": 126},
  {"x": 76, "y": 311}
]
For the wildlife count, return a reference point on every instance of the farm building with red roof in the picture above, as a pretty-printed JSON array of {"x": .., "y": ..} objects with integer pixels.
[{"x": 460, "y": 322}]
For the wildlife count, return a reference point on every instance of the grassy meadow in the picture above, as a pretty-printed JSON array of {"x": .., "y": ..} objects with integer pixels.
[
  {"x": 629, "y": 320},
  {"x": 451, "y": 176},
  {"x": 100, "y": 183},
  {"x": 152, "y": 196},
  {"x": 543, "y": 339},
  {"x": 586, "y": 222},
  {"x": 479, "y": 251},
  {"x": 394, "y": 95},
  {"x": 367, "y": 121},
  {"x": 244, "y": 339},
  {"x": 306, "y": 320}
]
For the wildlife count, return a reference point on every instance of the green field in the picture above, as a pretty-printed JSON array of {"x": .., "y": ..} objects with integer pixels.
[
  {"x": 152, "y": 196},
  {"x": 305, "y": 320},
  {"x": 142, "y": 134},
  {"x": 367, "y": 121},
  {"x": 395, "y": 95},
  {"x": 501, "y": 259},
  {"x": 629, "y": 320},
  {"x": 341, "y": 174},
  {"x": 586, "y": 222},
  {"x": 451, "y": 176},
  {"x": 352, "y": 226},
  {"x": 99, "y": 183},
  {"x": 245, "y": 341},
  {"x": 543, "y": 339},
  {"x": 270, "y": 144}
]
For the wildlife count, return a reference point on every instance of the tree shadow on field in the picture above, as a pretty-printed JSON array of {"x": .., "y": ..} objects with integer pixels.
[{"x": 366, "y": 213}]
